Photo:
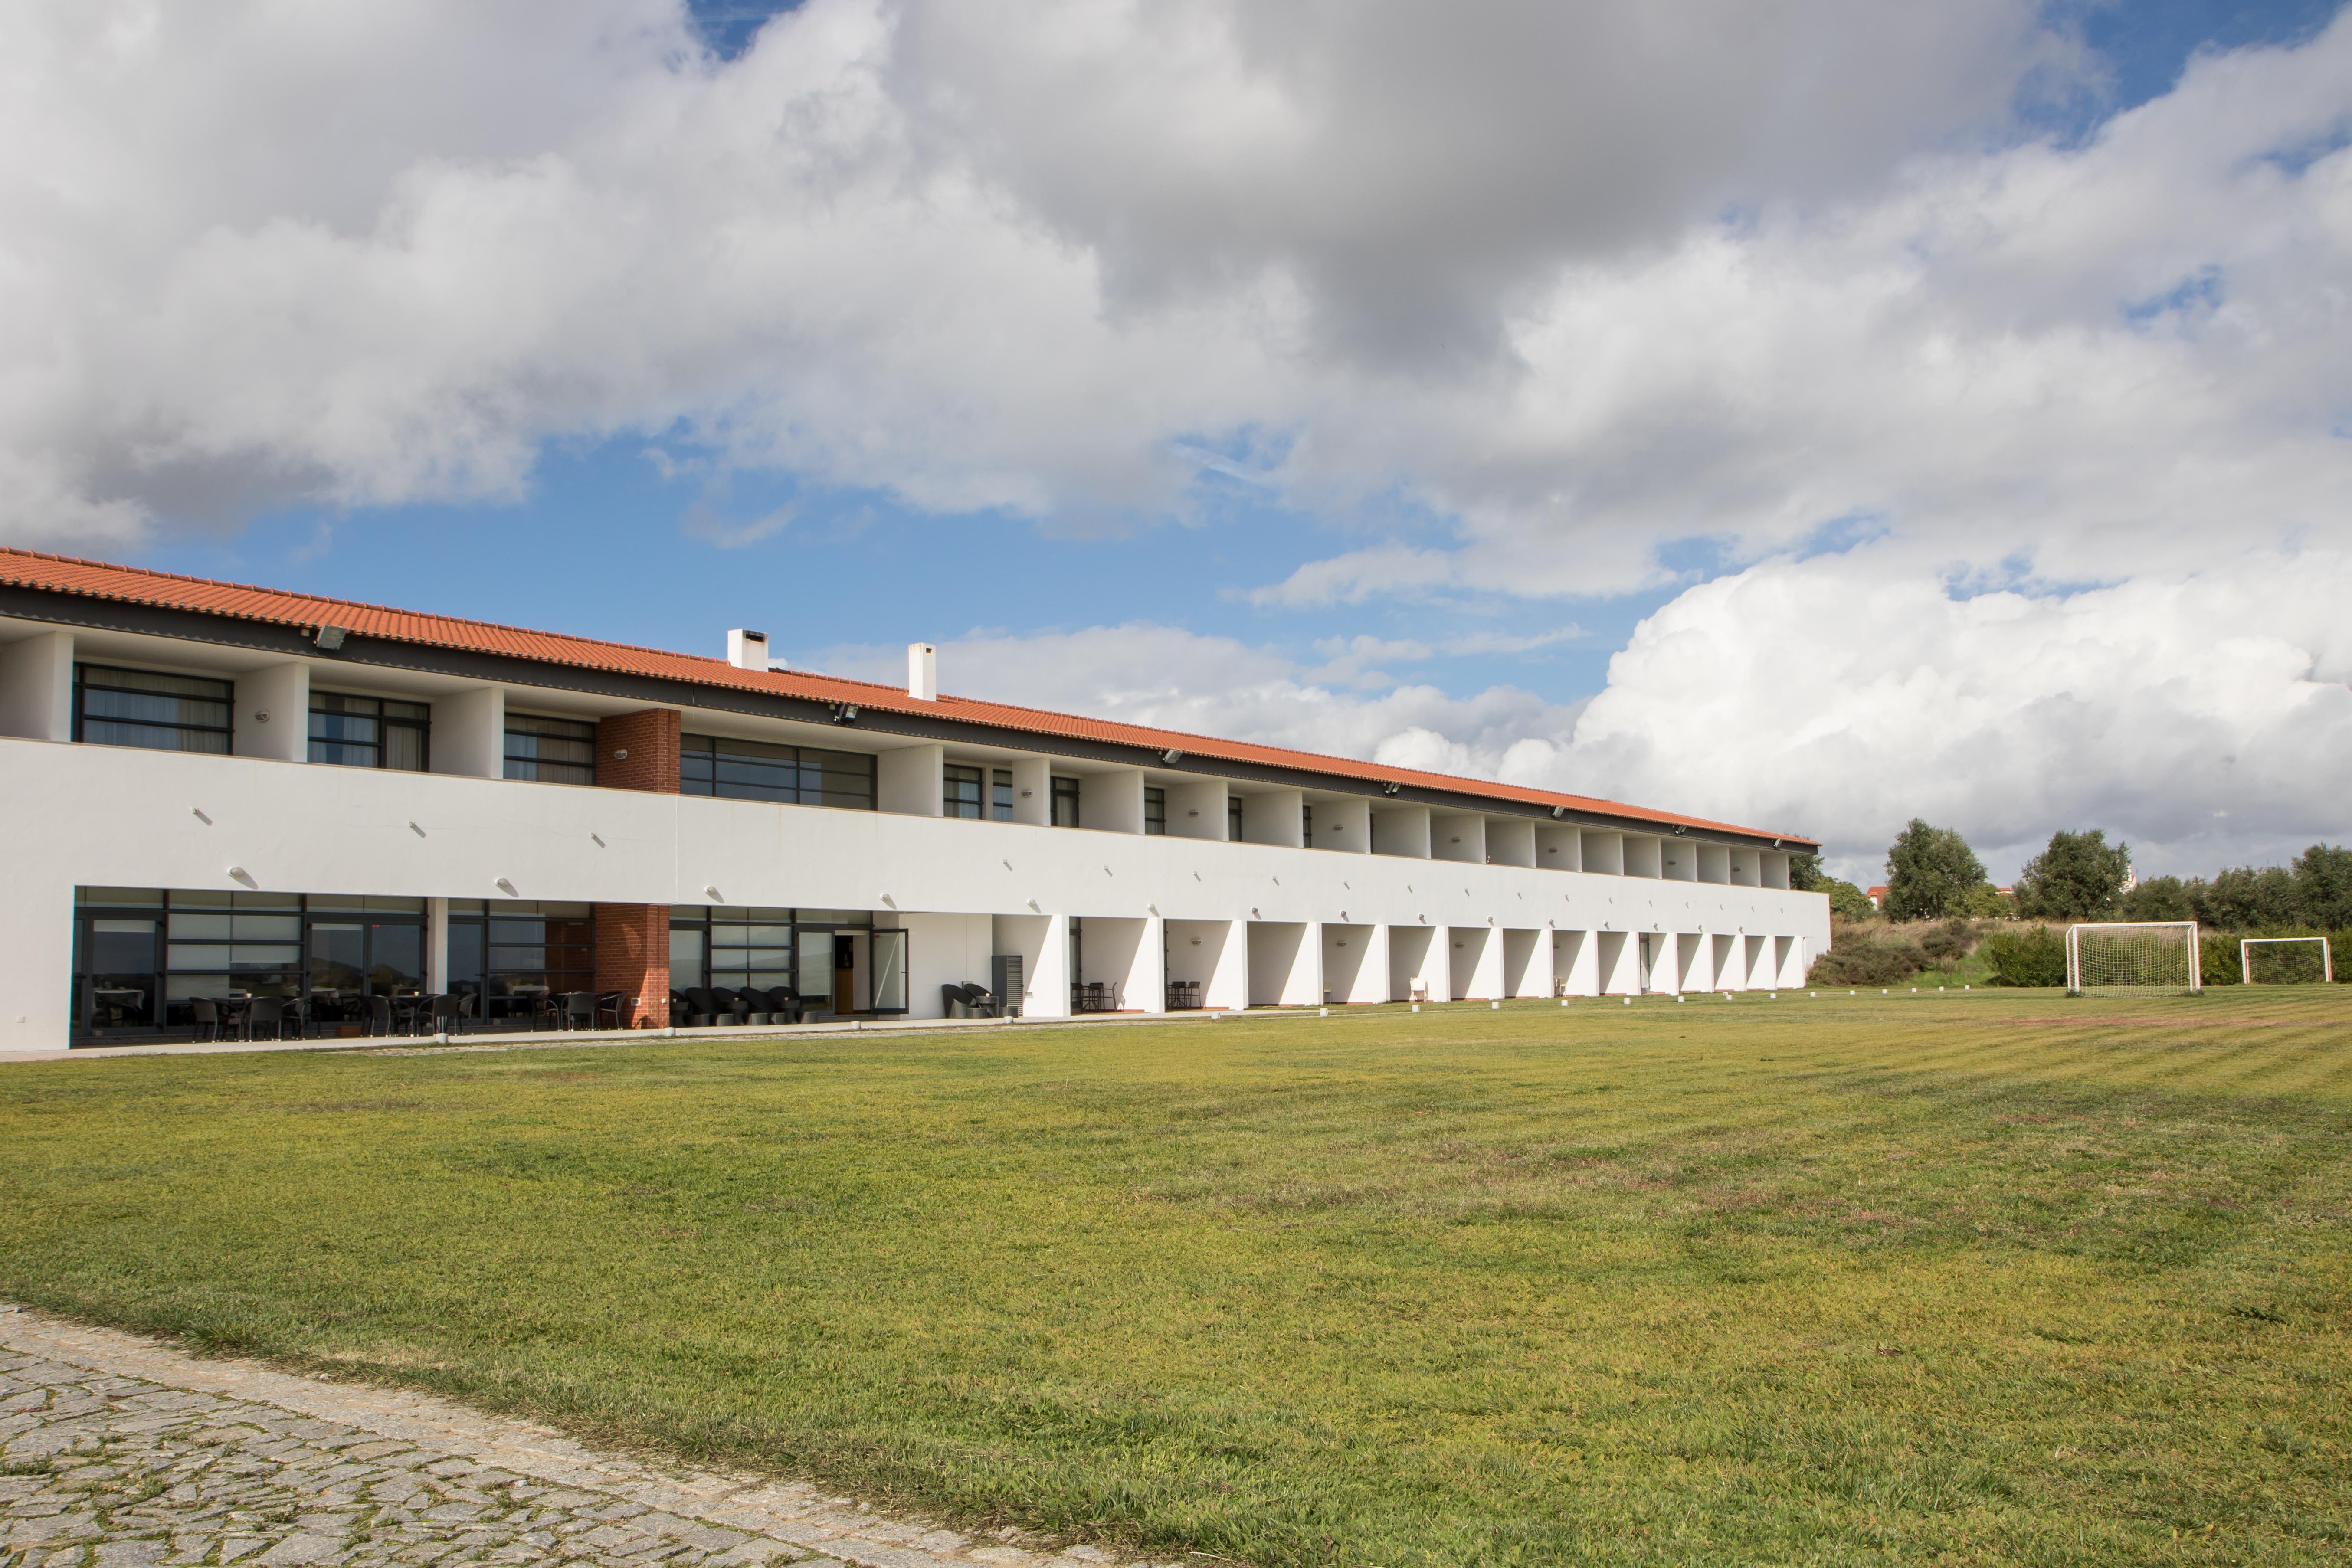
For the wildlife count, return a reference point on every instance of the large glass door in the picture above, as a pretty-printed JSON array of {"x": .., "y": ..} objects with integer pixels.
[
  {"x": 121, "y": 979},
  {"x": 889, "y": 972}
]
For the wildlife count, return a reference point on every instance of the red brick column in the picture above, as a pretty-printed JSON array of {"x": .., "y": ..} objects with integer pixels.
[
  {"x": 632, "y": 940},
  {"x": 652, "y": 741},
  {"x": 632, "y": 958}
]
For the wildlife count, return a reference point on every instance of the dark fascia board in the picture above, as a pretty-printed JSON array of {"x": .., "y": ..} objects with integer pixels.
[{"x": 503, "y": 670}]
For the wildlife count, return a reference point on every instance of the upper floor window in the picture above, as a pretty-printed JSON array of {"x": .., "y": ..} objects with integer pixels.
[
  {"x": 1000, "y": 795},
  {"x": 1234, "y": 819},
  {"x": 115, "y": 707},
  {"x": 791, "y": 775},
  {"x": 1155, "y": 809},
  {"x": 1066, "y": 803},
  {"x": 960, "y": 792},
  {"x": 1306, "y": 826},
  {"x": 551, "y": 750},
  {"x": 368, "y": 732}
]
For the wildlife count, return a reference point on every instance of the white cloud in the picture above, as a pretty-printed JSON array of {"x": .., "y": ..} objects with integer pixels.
[{"x": 1574, "y": 283}]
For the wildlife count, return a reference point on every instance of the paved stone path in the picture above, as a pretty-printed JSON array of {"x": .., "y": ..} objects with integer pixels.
[{"x": 118, "y": 1452}]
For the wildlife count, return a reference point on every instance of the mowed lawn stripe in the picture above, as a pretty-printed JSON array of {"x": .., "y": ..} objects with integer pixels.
[{"x": 1703, "y": 1282}]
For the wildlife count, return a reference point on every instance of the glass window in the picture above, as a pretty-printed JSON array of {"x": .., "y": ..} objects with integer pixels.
[
  {"x": 529, "y": 951},
  {"x": 686, "y": 970},
  {"x": 753, "y": 770},
  {"x": 116, "y": 707},
  {"x": 960, "y": 792},
  {"x": 1306, "y": 826},
  {"x": 837, "y": 778},
  {"x": 550, "y": 750},
  {"x": 1234, "y": 819},
  {"x": 368, "y": 732},
  {"x": 1000, "y": 795},
  {"x": 1066, "y": 803},
  {"x": 1155, "y": 809},
  {"x": 739, "y": 770}
]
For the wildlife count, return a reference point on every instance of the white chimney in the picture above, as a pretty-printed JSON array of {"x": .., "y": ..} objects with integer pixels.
[
  {"x": 923, "y": 671},
  {"x": 746, "y": 650}
]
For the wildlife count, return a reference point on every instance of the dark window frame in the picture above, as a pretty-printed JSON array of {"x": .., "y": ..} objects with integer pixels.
[
  {"x": 580, "y": 731},
  {"x": 420, "y": 722},
  {"x": 1000, "y": 795},
  {"x": 797, "y": 775},
  {"x": 1060, "y": 795},
  {"x": 82, "y": 718},
  {"x": 963, "y": 792},
  {"x": 1155, "y": 810}
]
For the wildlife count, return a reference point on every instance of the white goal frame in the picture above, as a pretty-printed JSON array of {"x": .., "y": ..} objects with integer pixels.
[
  {"x": 2246, "y": 958},
  {"x": 2074, "y": 950}
]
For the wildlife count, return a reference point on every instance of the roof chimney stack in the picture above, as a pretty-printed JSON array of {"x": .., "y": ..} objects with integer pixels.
[
  {"x": 923, "y": 671},
  {"x": 746, "y": 650}
]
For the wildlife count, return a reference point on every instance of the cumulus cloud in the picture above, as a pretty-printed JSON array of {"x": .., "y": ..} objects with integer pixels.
[{"x": 2057, "y": 431}]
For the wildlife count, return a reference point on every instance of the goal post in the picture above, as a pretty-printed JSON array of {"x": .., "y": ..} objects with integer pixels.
[
  {"x": 2133, "y": 955},
  {"x": 2287, "y": 961}
]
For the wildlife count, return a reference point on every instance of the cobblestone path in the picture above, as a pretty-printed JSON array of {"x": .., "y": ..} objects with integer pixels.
[{"x": 117, "y": 1452}]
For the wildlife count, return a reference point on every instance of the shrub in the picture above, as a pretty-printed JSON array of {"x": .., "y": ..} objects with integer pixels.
[
  {"x": 2034, "y": 955},
  {"x": 1857, "y": 958},
  {"x": 1954, "y": 939}
]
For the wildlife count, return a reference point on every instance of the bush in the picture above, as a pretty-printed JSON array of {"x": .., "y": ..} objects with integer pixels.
[
  {"x": 2034, "y": 955},
  {"x": 1857, "y": 958},
  {"x": 1955, "y": 939}
]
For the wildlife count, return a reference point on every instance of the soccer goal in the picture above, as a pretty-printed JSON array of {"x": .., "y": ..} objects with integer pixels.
[
  {"x": 2139, "y": 955},
  {"x": 2285, "y": 960}
]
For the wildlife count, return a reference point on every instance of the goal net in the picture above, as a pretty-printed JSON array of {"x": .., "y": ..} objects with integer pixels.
[
  {"x": 2149, "y": 955},
  {"x": 2287, "y": 961}
]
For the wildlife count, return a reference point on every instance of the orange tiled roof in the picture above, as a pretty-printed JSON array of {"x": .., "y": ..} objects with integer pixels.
[{"x": 139, "y": 585}]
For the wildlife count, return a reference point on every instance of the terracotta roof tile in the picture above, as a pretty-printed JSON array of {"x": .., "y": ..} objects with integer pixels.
[{"x": 139, "y": 585}]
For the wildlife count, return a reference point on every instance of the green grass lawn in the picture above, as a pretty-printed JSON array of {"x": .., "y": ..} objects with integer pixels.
[{"x": 1984, "y": 1278}]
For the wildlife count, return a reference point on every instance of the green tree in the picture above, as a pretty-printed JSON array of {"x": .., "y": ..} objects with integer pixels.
[
  {"x": 2080, "y": 876},
  {"x": 2322, "y": 886},
  {"x": 2159, "y": 898},
  {"x": 1847, "y": 902},
  {"x": 1985, "y": 902},
  {"x": 1929, "y": 871},
  {"x": 1805, "y": 873},
  {"x": 2245, "y": 899}
]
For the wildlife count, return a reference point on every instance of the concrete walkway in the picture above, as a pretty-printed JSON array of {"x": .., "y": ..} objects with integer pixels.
[
  {"x": 120, "y": 1452},
  {"x": 550, "y": 1038}
]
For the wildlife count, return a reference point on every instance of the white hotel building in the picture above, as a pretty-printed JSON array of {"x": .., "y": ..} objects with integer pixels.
[{"x": 216, "y": 790}]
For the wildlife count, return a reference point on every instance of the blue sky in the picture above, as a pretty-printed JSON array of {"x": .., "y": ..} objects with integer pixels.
[
  {"x": 1813, "y": 424},
  {"x": 859, "y": 568}
]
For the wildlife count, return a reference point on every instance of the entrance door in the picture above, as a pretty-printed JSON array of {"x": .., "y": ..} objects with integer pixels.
[
  {"x": 890, "y": 949},
  {"x": 845, "y": 974},
  {"x": 1643, "y": 958},
  {"x": 122, "y": 983}
]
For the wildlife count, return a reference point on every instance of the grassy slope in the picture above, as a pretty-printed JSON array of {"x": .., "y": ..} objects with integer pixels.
[{"x": 2005, "y": 1277}]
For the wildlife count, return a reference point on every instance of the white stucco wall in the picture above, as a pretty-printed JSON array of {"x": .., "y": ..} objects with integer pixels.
[{"x": 117, "y": 816}]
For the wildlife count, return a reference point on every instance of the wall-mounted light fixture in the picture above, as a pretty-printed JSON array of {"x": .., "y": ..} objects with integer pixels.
[
  {"x": 329, "y": 638},
  {"x": 845, "y": 712},
  {"x": 1171, "y": 755},
  {"x": 1391, "y": 788},
  {"x": 1557, "y": 812},
  {"x": 505, "y": 887},
  {"x": 621, "y": 755}
]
